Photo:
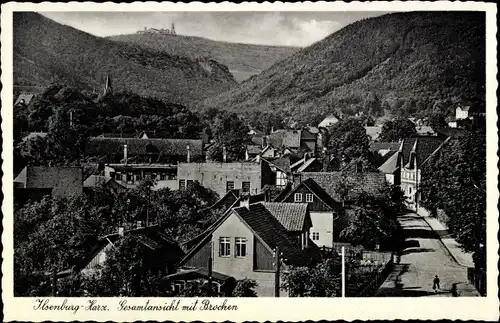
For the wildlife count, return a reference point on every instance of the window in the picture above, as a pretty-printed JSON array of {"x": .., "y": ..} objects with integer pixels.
[
  {"x": 245, "y": 187},
  {"x": 130, "y": 178},
  {"x": 241, "y": 247},
  {"x": 224, "y": 247},
  {"x": 315, "y": 235},
  {"x": 298, "y": 197},
  {"x": 189, "y": 183},
  {"x": 182, "y": 184},
  {"x": 163, "y": 176},
  {"x": 309, "y": 197},
  {"x": 229, "y": 186}
]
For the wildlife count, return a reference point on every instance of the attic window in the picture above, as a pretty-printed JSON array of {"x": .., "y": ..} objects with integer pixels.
[
  {"x": 298, "y": 197},
  {"x": 309, "y": 197}
]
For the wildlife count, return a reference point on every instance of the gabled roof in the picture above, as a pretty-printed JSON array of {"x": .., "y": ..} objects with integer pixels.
[
  {"x": 282, "y": 163},
  {"x": 306, "y": 164},
  {"x": 426, "y": 145},
  {"x": 271, "y": 232},
  {"x": 390, "y": 165},
  {"x": 330, "y": 119},
  {"x": 317, "y": 190},
  {"x": 49, "y": 176},
  {"x": 292, "y": 216},
  {"x": 425, "y": 131},
  {"x": 138, "y": 146},
  {"x": 369, "y": 182},
  {"x": 26, "y": 97}
]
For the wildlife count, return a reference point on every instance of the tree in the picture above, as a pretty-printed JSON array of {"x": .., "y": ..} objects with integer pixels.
[
  {"x": 347, "y": 140},
  {"x": 323, "y": 280},
  {"x": 231, "y": 134},
  {"x": 374, "y": 220},
  {"x": 397, "y": 130},
  {"x": 245, "y": 288},
  {"x": 454, "y": 181}
]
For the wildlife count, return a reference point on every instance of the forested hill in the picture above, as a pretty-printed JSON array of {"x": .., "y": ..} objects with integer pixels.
[
  {"x": 401, "y": 61},
  {"x": 46, "y": 52},
  {"x": 243, "y": 60}
]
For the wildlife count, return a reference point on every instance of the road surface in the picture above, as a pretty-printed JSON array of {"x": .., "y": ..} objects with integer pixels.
[{"x": 424, "y": 257}]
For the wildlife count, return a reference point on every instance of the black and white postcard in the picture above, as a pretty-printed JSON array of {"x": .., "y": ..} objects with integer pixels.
[{"x": 249, "y": 162}]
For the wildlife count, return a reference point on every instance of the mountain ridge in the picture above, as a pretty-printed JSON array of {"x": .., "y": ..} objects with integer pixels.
[
  {"x": 415, "y": 57},
  {"x": 48, "y": 52},
  {"x": 243, "y": 59}
]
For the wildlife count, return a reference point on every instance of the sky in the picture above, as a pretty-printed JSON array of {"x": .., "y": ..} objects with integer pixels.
[{"x": 283, "y": 28}]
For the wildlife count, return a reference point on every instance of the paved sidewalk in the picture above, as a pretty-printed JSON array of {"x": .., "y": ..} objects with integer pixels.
[{"x": 461, "y": 257}]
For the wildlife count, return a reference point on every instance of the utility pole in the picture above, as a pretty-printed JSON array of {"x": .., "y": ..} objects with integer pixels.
[
  {"x": 210, "y": 260},
  {"x": 277, "y": 258}
]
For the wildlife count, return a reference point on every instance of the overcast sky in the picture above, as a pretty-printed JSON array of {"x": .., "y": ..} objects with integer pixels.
[{"x": 270, "y": 28}]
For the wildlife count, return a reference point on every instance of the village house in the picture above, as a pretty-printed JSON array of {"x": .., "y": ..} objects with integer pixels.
[
  {"x": 467, "y": 115},
  {"x": 131, "y": 175},
  {"x": 34, "y": 182},
  {"x": 94, "y": 181},
  {"x": 222, "y": 177},
  {"x": 327, "y": 216},
  {"x": 24, "y": 99},
  {"x": 295, "y": 141},
  {"x": 161, "y": 256},
  {"x": 242, "y": 243},
  {"x": 328, "y": 121},
  {"x": 403, "y": 168}
]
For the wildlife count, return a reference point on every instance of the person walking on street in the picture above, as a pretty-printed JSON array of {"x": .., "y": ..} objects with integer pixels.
[{"x": 435, "y": 284}]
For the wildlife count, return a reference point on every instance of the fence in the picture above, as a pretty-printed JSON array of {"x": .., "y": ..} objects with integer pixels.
[
  {"x": 372, "y": 278},
  {"x": 477, "y": 278}
]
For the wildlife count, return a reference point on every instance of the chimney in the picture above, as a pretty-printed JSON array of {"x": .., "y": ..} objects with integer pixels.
[
  {"x": 121, "y": 231},
  {"x": 188, "y": 158},
  {"x": 224, "y": 154},
  {"x": 125, "y": 154},
  {"x": 297, "y": 179},
  {"x": 245, "y": 200},
  {"x": 264, "y": 141}
]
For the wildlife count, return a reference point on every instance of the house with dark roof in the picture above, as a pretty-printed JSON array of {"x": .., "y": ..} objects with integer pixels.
[
  {"x": 161, "y": 254},
  {"x": 328, "y": 218},
  {"x": 151, "y": 150},
  {"x": 296, "y": 141},
  {"x": 403, "y": 168},
  {"x": 252, "y": 151},
  {"x": 242, "y": 242},
  {"x": 34, "y": 182}
]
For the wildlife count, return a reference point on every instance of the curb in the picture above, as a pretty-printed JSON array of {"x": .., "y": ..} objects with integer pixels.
[{"x": 440, "y": 240}]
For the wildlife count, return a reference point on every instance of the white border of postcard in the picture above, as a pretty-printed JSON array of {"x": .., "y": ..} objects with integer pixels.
[{"x": 260, "y": 309}]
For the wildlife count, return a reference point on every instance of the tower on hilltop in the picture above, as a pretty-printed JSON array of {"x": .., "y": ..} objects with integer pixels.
[{"x": 172, "y": 30}]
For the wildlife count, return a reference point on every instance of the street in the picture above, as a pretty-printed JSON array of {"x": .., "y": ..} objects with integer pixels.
[{"x": 423, "y": 257}]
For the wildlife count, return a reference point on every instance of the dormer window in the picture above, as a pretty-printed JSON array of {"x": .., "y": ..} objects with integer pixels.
[
  {"x": 298, "y": 197},
  {"x": 309, "y": 198}
]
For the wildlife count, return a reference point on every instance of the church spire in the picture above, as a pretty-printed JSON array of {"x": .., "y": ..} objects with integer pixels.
[{"x": 108, "y": 88}]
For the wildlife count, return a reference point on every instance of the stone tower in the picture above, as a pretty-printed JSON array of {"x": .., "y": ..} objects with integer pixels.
[{"x": 173, "y": 29}]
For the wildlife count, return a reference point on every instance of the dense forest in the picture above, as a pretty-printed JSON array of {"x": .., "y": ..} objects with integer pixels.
[
  {"x": 243, "y": 60},
  {"x": 62, "y": 54},
  {"x": 399, "y": 64}
]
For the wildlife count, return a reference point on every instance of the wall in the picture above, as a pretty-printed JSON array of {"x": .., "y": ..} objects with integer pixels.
[
  {"x": 241, "y": 268},
  {"x": 322, "y": 222},
  {"x": 215, "y": 175}
]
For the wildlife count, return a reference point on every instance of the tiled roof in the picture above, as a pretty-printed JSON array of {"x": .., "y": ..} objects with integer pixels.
[
  {"x": 137, "y": 146},
  {"x": 283, "y": 163},
  {"x": 287, "y": 138},
  {"x": 369, "y": 182},
  {"x": 48, "y": 177},
  {"x": 270, "y": 230},
  {"x": 321, "y": 193},
  {"x": 426, "y": 145},
  {"x": 291, "y": 215},
  {"x": 329, "y": 120},
  {"x": 306, "y": 164}
]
